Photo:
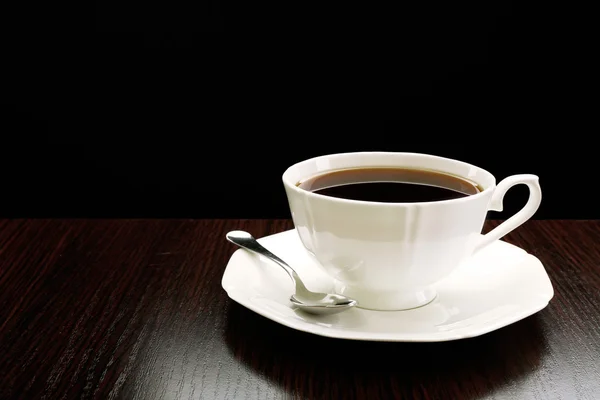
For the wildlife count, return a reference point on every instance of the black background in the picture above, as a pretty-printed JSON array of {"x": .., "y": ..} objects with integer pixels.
[{"x": 195, "y": 109}]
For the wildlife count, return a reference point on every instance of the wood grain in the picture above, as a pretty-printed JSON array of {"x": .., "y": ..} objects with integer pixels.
[{"x": 134, "y": 309}]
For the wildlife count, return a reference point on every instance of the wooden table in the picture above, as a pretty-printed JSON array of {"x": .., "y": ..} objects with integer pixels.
[{"x": 134, "y": 309}]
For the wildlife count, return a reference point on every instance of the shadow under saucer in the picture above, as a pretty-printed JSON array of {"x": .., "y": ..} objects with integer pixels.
[{"x": 308, "y": 365}]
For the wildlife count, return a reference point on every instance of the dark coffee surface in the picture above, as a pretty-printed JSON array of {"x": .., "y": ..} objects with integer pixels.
[{"x": 390, "y": 185}]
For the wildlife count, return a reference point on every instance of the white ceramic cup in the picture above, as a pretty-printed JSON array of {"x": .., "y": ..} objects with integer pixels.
[{"x": 387, "y": 256}]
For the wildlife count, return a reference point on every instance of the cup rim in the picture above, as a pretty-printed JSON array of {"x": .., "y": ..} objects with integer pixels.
[{"x": 304, "y": 192}]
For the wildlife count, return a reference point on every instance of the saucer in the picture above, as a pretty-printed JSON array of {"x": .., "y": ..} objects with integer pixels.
[{"x": 498, "y": 286}]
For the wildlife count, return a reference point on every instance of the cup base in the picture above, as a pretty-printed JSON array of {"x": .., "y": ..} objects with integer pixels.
[{"x": 387, "y": 301}]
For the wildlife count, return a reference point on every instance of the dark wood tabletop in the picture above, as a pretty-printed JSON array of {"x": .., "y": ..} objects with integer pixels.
[{"x": 134, "y": 309}]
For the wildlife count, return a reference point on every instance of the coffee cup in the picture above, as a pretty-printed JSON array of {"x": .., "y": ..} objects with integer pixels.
[{"x": 388, "y": 255}]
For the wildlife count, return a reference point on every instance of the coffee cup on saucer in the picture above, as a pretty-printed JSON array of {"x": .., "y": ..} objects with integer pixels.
[{"x": 387, "y": 226}]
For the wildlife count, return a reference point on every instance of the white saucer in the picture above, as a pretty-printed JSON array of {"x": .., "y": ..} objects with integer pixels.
[{"x": 500, "y": 285}]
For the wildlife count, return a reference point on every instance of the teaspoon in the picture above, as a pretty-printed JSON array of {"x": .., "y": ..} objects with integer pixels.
[{"x": 309, "y": 301}]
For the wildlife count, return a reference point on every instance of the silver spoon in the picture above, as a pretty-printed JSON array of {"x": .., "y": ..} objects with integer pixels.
[{"x": 315, "y": 303}]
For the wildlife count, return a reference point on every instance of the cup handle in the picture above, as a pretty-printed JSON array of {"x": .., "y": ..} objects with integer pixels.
[{"x": 535, "y": 198}]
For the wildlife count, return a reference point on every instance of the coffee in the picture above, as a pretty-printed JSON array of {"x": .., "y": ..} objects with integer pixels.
[{"x": 390, "y": 185}]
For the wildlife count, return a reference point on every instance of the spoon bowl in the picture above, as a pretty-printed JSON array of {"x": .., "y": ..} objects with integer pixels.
[
  {"x": 330, "y": 304},
  {"x": 307, "y": 300}
]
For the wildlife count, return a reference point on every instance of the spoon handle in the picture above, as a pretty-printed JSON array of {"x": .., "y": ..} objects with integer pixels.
[{"x": 245, "y": 240}]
